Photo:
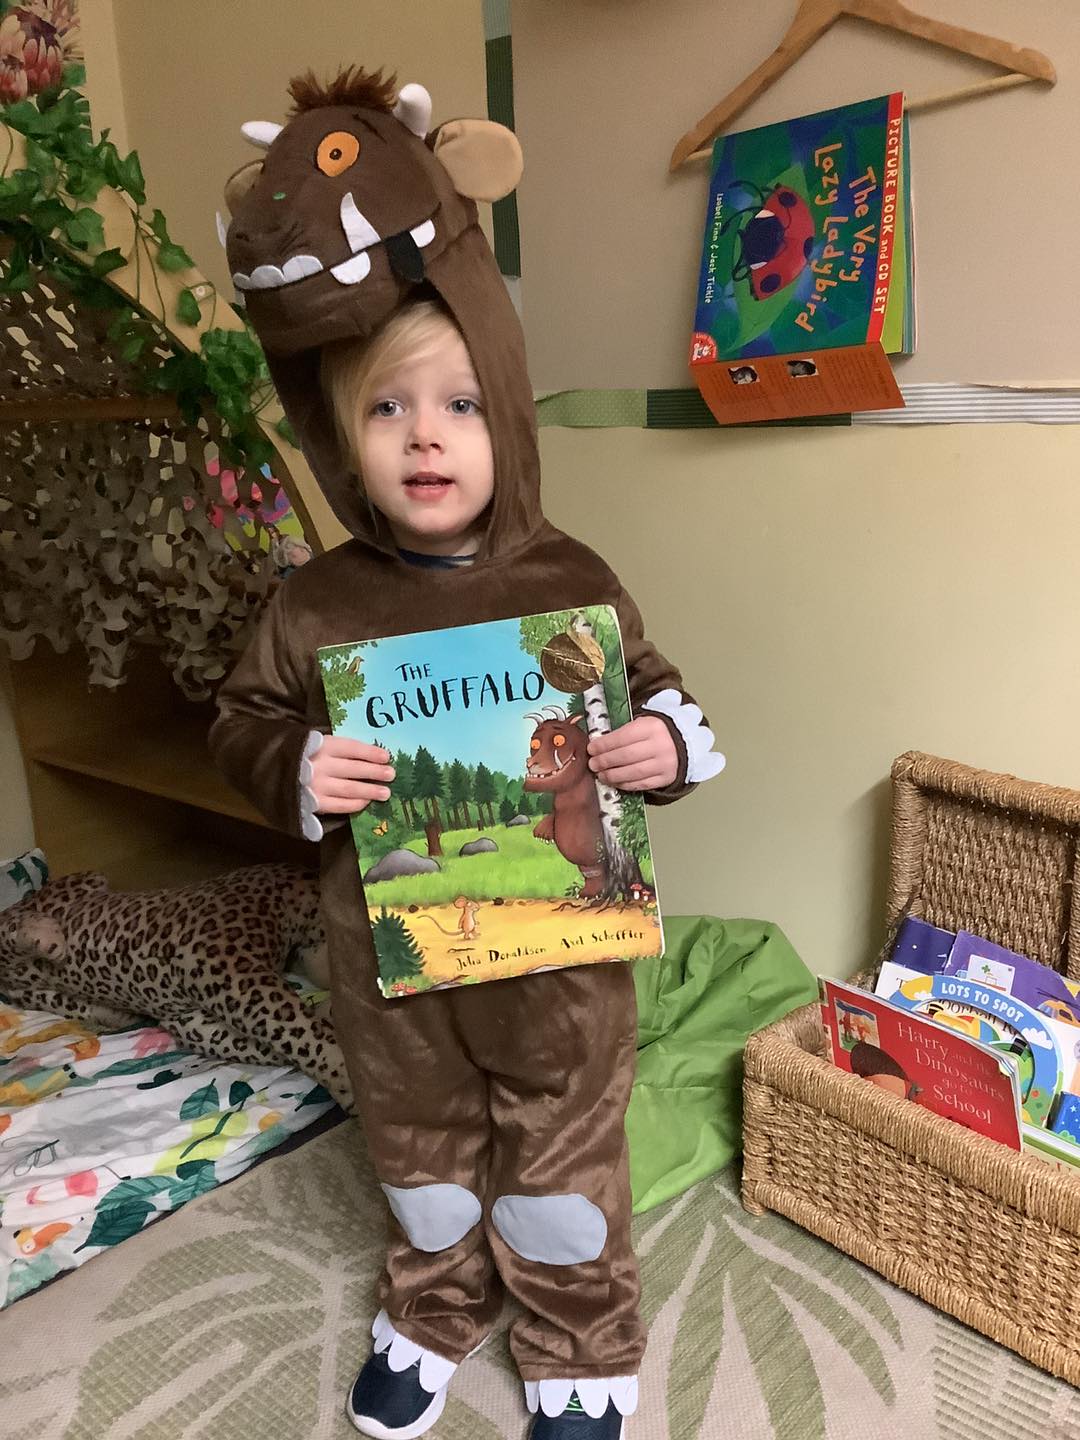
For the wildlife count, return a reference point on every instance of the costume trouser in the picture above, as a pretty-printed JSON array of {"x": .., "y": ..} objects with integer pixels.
[{"x": 494, "y": 1115}]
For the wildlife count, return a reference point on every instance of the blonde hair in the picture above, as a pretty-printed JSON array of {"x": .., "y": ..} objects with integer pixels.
[{"x": 352, "y": 370}]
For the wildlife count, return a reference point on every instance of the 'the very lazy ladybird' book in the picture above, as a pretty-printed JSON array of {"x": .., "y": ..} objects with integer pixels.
[{"x": 499, "y": 852}]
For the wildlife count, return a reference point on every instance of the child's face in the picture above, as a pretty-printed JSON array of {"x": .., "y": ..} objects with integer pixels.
[{"x": 425, "y": 451}]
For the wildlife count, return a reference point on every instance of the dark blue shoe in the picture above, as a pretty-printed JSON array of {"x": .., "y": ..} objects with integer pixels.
[
  {"x": 574, "y": 1421},
  {"x": 393, "y": 1405}
]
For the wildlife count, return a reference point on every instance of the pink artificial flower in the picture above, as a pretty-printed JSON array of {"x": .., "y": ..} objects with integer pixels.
[
  {"x": 14, "y": 84},
  {"x": 42, "y": 52}
]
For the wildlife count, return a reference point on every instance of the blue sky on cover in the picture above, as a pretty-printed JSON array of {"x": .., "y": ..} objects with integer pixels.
[{"x": 497, "y": 735}]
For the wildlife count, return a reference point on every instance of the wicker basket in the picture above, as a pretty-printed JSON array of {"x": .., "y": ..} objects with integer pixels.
[{"x": 988, "y": 1235}]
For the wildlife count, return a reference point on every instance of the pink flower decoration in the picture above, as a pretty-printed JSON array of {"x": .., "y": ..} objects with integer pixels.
[{"x": 14, "y": 84}]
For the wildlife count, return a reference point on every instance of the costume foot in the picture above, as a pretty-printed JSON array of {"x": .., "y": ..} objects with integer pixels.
[
  {"x": 581, "y": 1409},
  {"x": 401, "y": 1391},
  {"x": 393, "y": 1405},
  {"x": 575, "y": 1424}
]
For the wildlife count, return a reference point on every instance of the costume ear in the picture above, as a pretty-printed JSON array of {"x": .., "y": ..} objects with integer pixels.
[
  {"x": 576, "y": 720},
  {"x": 240, "y": 182},
  {"x": 483, "y": 159}
]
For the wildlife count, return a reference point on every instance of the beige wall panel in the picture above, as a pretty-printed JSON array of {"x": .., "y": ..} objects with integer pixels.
[
  {"x": 611, "y": 243},
  {"x": 833, "y": 599},
  {"x": 193, "y": 72}
]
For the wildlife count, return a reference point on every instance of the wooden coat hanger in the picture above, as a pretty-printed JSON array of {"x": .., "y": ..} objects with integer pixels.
[{"x": 814, "y": 17}]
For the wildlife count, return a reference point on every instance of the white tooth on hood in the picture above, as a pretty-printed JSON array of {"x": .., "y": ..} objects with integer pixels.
[
  {"x": 353, "y": 270},
  {"x": 297, "y": 267},
  {"x": 220, "y": 228},
  {"x": 424, "y": 234},
  {"x": 264, "y": 277},
  {"x": 359, "y": 230}
]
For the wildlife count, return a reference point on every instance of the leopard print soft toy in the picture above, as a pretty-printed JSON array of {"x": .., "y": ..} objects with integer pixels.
[{"x": 204, "y": 961}]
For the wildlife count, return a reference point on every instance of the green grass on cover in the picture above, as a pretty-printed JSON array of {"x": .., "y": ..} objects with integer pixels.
[{"x": 523, "y": 868}]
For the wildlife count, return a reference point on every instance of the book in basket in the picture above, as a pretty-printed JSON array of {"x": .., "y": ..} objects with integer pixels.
[
  {"x": 498, "y": 852},
  {"x": 807, "y": 276},
  {"x": 918, "y": 1059}
]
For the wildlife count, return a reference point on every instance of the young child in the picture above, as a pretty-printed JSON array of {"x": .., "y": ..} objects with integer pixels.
[{"x": 493, "y": 1113}]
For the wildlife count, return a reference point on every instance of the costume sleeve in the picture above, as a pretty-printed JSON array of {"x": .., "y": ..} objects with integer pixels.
[
  {"x": 656, "y": 686},
  {"x": 261, "y": 737}
]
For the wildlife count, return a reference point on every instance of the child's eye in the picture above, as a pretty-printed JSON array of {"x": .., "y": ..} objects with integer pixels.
[
  {"x": 464, "y": 406},
  {"x": 386, "y": 408}
]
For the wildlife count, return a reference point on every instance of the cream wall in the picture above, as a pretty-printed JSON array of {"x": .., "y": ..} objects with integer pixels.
[
  {"x": 611, "y": 242},
  {"x": 834, "y": 598},
  {"x": 193, "y": 72}
]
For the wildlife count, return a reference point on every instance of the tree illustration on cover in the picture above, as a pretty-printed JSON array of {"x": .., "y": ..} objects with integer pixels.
[
  {"x": 595, "y": 827},
  {"x": 497, "y": 852},
  {"x": 400, "y": 958}
]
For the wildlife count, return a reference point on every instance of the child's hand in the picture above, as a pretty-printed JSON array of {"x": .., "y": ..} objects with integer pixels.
[
  {"x": 347, "y": 775},
  {"x": 637, "y": 756}
]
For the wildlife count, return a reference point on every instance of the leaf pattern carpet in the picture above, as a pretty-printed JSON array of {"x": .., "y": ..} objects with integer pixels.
[{"x": 245, "y": 1315}]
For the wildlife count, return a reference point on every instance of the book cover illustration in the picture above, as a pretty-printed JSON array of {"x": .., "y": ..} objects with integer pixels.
[
  {"x": 907, "y": 1055},
  {"x": 996, "y": 1020},
  {"x": 806, "y": 273},
  {"x": 498, "y": 852}
]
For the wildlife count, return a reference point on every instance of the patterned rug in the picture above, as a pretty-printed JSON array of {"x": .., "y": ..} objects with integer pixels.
[{"x": 245, "y": 1315}]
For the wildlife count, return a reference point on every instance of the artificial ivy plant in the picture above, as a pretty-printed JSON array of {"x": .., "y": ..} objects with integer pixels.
[{"x": 46, "y": 213}]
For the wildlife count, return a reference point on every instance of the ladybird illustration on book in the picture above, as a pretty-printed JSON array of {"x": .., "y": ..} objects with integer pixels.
[{"x": 499, "y": 851}]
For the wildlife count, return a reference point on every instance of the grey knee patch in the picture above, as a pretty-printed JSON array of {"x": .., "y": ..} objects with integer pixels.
[
  {"x": 551, "y": 1229},
  {"x": 434, "y": 1217}
]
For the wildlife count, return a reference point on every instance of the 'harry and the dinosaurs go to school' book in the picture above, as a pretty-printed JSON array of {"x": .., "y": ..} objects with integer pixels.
[
  {"x": 807, "y": 274},
  {"x": 918, "y": 1059},
  {"x": 498, "y": 852}
]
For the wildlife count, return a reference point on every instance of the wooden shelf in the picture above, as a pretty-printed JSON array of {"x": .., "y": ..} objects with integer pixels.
[
  {"x": 174, "y": 764},
  {"x": 121, "y": 781}
]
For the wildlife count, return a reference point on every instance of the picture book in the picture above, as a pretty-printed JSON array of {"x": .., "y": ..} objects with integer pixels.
[
  {"x": 999, "y": 969},
  {"x": 922, "y": 946},
  {"x": 498, "y": 852},
  {"x": 807, "y": 274},
  {"x": 908, "y": 1055},
  {"x": 996, "y": 1020}
]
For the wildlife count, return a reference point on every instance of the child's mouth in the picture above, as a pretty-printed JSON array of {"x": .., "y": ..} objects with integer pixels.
[{"x": 427, "y": 485}]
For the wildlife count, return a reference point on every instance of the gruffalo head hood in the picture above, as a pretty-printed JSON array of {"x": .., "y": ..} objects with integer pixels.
[{"x": 354, "y": 207}]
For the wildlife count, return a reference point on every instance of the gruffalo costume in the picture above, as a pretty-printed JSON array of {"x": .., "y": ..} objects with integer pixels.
[{"x": 494, "y": 1113}]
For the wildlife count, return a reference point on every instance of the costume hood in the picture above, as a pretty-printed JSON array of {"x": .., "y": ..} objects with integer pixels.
[{"x": 352, "y": 208}]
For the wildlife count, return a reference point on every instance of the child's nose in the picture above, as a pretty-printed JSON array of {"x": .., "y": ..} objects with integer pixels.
[{"x": 425, "y": 432}]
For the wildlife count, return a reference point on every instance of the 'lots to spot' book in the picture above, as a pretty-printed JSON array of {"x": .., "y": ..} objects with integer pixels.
[{"x": 498, "y": 852}]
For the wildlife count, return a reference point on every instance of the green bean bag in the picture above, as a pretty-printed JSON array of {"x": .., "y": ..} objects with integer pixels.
[{"x": 717, "y": 982}]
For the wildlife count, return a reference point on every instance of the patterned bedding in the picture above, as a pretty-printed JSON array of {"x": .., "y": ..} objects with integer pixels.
[{"x": 102, "y": 1134}]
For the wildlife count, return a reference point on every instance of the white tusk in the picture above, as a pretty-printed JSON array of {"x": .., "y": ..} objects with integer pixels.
[
  {"x": 261, "y": 133},
  {"x": 413, "y": 109},
  {"x": 359, "y": 230},
  {"x": 220, "y": 228}
]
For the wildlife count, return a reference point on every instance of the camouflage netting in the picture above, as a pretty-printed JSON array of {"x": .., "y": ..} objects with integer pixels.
[{"x": 113, "y": 531}]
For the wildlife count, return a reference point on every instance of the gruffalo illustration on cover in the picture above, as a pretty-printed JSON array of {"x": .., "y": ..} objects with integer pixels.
[{"x": 498, "y": 852}]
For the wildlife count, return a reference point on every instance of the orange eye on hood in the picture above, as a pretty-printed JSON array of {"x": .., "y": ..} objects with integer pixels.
[
  {"x": 337, "y": 151},
  {"x": 559, "y": 740}
]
